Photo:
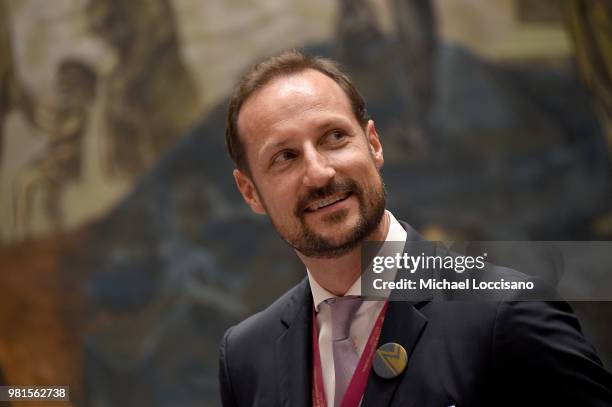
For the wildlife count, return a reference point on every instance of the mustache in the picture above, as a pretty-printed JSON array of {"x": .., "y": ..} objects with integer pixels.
[{"x": 314, "y": 194}]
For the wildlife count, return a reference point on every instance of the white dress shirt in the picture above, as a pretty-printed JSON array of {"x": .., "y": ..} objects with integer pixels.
[{"x": 362, "y": 323}]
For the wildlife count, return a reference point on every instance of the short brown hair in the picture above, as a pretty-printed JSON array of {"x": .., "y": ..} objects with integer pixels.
[{"x": 285, "y": 64}]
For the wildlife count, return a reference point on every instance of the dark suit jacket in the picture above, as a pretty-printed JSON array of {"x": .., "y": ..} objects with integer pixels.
[{"x": 493, "y": 353}]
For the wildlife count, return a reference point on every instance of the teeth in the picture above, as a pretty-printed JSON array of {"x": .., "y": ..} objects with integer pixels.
[{"x": 325, "y": 202}]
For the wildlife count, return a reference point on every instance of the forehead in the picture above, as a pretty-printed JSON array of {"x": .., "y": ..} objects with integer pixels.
[{"x": 296, "y": 100}]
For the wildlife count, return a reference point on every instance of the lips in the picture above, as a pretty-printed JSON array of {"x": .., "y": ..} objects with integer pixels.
[{"x": 322, "y": 203}]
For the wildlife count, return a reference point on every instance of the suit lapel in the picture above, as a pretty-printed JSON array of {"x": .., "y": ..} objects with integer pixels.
[
  {"x": 403, "y": 324},
  {"x": 295, "y": 350}
]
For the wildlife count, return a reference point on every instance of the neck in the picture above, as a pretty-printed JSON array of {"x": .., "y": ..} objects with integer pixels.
[{"x": 337, "y": 275}]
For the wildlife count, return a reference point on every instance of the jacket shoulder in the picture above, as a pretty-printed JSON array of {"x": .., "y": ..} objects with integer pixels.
[
  {"x": 247, "y": 351},
  {"x": 267, "y": 324}
]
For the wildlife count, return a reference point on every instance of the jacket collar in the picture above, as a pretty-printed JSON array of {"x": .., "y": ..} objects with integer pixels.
[
  {"x": 403, "y": 324},
  {"x": 294, "y": 349}
]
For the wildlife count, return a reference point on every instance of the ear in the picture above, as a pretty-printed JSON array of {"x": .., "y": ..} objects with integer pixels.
[
  {"x": 249, "y": 192},
  {"x": 374, "y": 144}
]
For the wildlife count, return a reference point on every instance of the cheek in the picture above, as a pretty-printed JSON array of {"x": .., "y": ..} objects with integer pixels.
[
  {"x": 357, "y": 164},
  {"x": 355, "y": 153},
  {"x": 279, "y": 200}
]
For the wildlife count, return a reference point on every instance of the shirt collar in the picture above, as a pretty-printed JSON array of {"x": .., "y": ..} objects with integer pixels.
[{"x": 396, "y": 233}]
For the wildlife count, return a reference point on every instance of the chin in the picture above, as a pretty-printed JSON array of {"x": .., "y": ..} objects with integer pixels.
[{"x": 337, "y": 232}]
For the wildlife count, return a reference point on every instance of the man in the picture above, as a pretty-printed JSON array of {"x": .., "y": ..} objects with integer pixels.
[{"x": 308, "y": 157}]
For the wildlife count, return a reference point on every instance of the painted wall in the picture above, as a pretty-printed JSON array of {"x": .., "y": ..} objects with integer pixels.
[{"x": 126, "y": 250}]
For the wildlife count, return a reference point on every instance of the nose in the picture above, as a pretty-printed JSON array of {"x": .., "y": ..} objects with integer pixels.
[{"x": 317, "y": 171}]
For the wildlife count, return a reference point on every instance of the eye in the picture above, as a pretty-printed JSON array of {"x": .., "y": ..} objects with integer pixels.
[
  {"x": 283, "y": 156},
  {"x": 335, "y": 136}
]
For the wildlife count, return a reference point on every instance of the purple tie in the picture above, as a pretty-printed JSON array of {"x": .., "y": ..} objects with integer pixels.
[{"x": 345, "y": 354}]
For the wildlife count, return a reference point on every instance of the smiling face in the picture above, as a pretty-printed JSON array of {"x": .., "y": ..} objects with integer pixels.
[{"x": 314, "y": 170}]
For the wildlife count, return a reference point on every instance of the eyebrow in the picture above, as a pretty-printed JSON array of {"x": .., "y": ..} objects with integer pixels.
[{"x": 328, "y": 123}]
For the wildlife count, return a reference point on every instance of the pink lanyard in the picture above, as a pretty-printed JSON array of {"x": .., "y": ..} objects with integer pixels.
[{"x": 356, "y": 387}]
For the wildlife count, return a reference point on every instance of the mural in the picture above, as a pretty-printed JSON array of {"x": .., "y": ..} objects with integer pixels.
[
  {"x": 501, "y": 140},
  {"x": 152, "y": 96},
  {"x": 590, "y": 23},
  {"x": 63, "y": 126}
]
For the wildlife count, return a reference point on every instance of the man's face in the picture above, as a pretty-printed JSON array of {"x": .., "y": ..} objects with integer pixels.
[{"x": 314, "y": 168}]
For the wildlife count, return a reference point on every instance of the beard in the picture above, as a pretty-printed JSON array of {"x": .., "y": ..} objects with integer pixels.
[{"x": 312, "y": 244}]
